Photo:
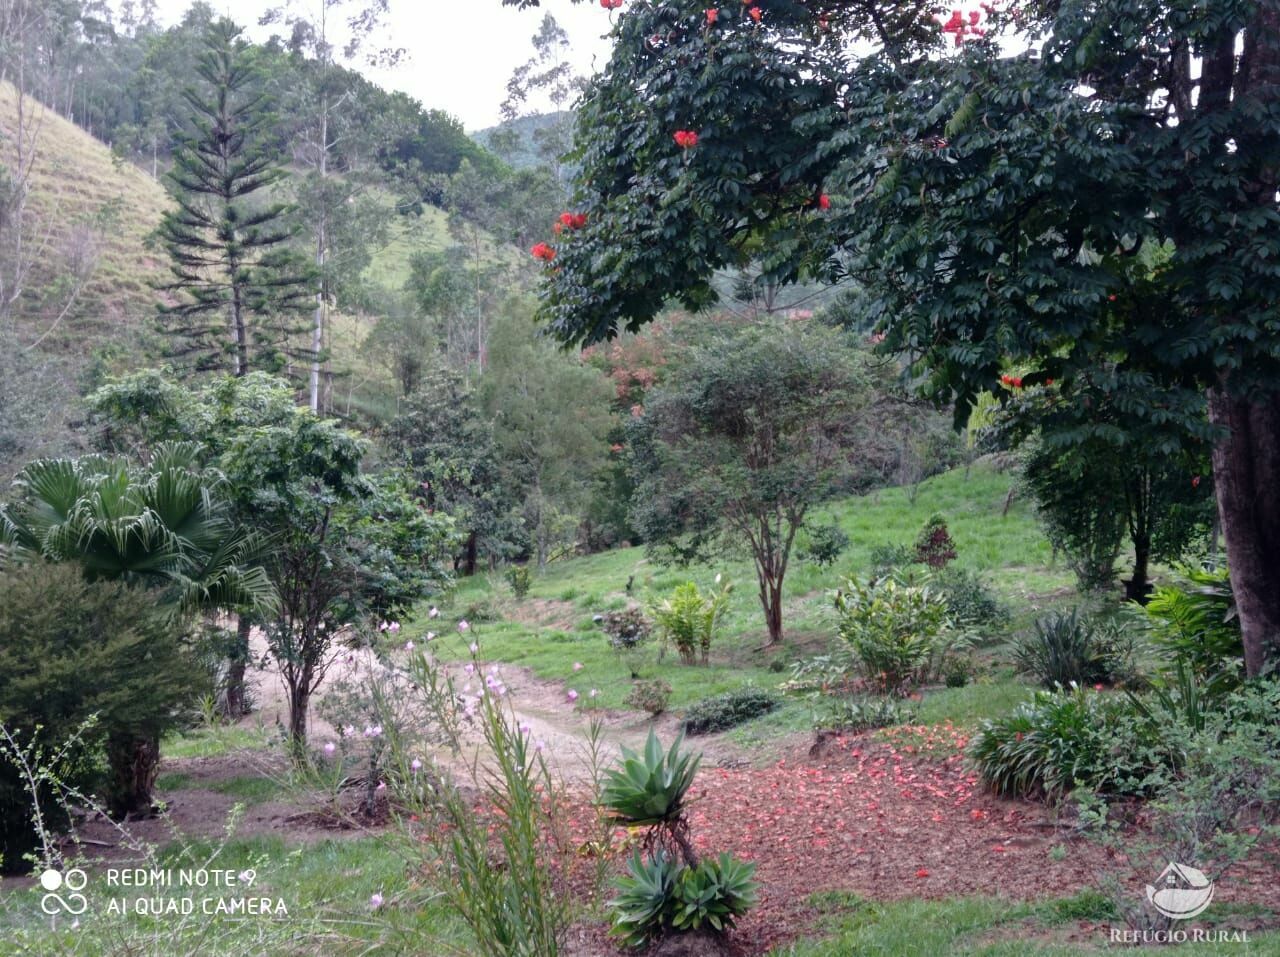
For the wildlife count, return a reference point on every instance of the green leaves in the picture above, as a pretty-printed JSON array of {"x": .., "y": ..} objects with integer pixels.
[
  {"x": 658, "y": 894},
  {"x": 650, "y": 788}
]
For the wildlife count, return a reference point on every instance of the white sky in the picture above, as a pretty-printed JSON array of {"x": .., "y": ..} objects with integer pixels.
[{"x": 460, "y": 52}]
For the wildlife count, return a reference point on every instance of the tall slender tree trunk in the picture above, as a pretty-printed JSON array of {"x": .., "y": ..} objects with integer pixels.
[
  {"x": 236, "y": 701},
  {"x": 1246, "y": 473},
  {"x": 317, "y": 329},
  {"x": 299, "y": 704}
]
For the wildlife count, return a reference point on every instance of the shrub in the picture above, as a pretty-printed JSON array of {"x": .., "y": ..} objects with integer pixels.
[
  {"x": 826, "y": 544},
  {"x": 651, "y": 696},
  {"x": 895, "y": 633},
  {"x": 970, "y": 601},
  {"x": 1215, "y": 808},
  {"x": 887, "y": 558},
  {"x": 863, "y": 714},
  {"x": 520, "y": 579},
  {"x": 1071, "y": 738},
  {"x": 688, "y": 619},
  {"x": 934, "y": 546},
  {"x": 1071, "y": 648},
  {"x": 724, "y": 711},
  {"x": 1196, "y": 623},
  {"x": 956, "y": 671},
  {"x": 70, "y": 648},
  {"x": 626, "y": 629}
]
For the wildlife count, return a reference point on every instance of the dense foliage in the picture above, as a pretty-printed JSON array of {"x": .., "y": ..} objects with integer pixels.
[
  {"x": 1061, "y": 193},
  {"x": 70, "y": 649}
]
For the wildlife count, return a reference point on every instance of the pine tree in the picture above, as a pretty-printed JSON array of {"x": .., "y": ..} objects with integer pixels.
[{"x": 229, "y": 244}]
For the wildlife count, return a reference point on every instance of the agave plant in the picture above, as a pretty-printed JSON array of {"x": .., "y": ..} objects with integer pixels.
[
  {"x": 649, "y": 788},
  {"x": 644, "y": 907},
  {"x": 714, "y": 893}
]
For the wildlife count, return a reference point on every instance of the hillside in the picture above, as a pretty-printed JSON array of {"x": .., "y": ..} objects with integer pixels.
[
  {"x": 81, "y": 193},
  {"x": 522, "y": 152}
]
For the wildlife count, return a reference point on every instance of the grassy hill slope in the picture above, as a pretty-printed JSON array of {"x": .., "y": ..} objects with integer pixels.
[{"x": 76, "y": 185}]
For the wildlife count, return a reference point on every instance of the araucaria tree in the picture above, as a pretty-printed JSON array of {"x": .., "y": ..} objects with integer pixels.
[
  {"x": 750, "y": 429},
  {"x": 994, "y": 180},
  {"x": 236, "y": 278}
]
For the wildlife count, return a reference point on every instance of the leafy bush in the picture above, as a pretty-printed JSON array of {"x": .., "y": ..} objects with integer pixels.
[
  {"x": 1071, "y": 648},
  {"x": 1196, "y": 623},
  {"x": 895, "y": 633},
  {"x": 956, "y": 671},
  {"x": 650, "y": 787},
  {"x": 1065, "y": 739},
  {"x": 688, "y": 619},
  {"x": 863, "y": 714},
  {"x": 724, "y": 711},
  {"x": 826, "y": 544},
  {"x": 888, "y": 558},
  {"x": 69, "y": 649},
  {"x": 970, "y": 600},
  {"x": 1215, "y": 807},
  {"x": 520, "y": 579},
  {"x": 626, "y": 629},
  {"x": 934, "y": 546},
  {"x": 651, "y": 696}
]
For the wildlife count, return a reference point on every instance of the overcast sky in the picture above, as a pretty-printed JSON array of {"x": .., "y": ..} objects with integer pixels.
[{"x": 460, "y": 52}]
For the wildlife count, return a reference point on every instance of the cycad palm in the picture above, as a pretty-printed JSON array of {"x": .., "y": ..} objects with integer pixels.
[{"x": 158, "y": 525}]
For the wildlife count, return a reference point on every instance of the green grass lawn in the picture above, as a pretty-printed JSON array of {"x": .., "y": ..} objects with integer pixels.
[
  {"x": 977, "y": 927},
  {"x": 327, "y": 888},
  {"x": 552, "y": 627}
]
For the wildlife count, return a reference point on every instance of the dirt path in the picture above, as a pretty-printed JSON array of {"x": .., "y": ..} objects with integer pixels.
[{"x": 561, "y": 726}]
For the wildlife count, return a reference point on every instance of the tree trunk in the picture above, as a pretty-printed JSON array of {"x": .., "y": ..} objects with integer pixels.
[
  {"x": 299, "y": 701},
  {"x": 771, "y": 602},
  {"x": 133, "y": 761},
  {"x": 235, "y": 700},
  {"x": 1138, "y": 588},
  {"x": 1246, "y": 472},
  {"x": 472, "y": 553}
]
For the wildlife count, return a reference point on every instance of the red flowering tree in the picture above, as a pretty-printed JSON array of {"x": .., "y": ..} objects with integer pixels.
[{"x": 992, "y": 204}]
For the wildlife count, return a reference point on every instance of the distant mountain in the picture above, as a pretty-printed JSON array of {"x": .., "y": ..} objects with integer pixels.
[{"x": 517, "y": 141}]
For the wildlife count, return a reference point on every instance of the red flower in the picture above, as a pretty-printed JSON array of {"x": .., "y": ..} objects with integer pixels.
[
  {"x": 611, "y": 4},
  {"x": 712, "y": 16},
  {"x": 922, "y": 873},
  {"x": 1111, "y": 298},
  {"x": 544, "y": 252},
  {"x": 1048, "y": 382},
  {"x": 1195, "y": 481},
  {"x": 754, "y": 14},
  {"x": 579, "y": 220},
  {"x": 566, "y": 219},
  {"x": 824, "y": 201},
  {"x": 1097, "y": 687},
  {"x": 1017, "y": 382},
  {"x": 974, "y": 17},
  {"x": 685, "y": 139}
]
